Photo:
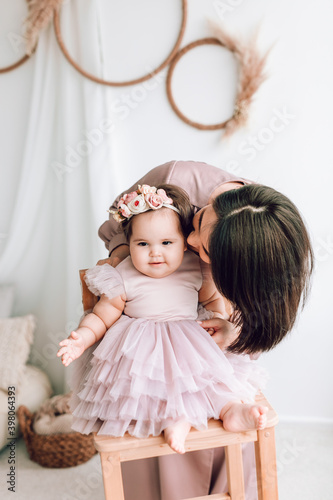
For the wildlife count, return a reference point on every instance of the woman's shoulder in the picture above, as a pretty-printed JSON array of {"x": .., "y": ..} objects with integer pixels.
[{"x": 199, "y": 179}]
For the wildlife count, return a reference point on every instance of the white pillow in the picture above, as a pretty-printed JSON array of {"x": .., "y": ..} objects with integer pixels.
[
  {"x": 16, "y": 336},
  {"x": 6, "y": 300},
  {"x": 34, "y": 390}
]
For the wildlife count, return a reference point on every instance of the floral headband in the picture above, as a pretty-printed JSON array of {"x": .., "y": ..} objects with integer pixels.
[{"x": 143, "y": 199}]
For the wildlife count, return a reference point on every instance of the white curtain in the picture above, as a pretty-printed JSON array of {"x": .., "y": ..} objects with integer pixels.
[{"x": 65, "y": 185}]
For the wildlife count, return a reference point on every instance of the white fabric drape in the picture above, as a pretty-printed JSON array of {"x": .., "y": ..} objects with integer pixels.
[{"x": 65, "y": 185}]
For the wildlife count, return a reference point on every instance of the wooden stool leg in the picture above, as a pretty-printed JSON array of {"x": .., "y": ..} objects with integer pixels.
[
  {"x": 266, "y": 465},
  {"x": 234, "y": 463},
  {"x": 112, "y": 478}
]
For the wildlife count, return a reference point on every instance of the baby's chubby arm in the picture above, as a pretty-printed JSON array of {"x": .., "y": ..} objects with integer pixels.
[
  {"x": 92, "y": 328},
  {"x": 213, "y": 301},
  {"x": 219, "y": 327}
]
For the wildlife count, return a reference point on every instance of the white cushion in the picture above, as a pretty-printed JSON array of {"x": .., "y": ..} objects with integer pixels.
[{"x": 34, "y": 390}]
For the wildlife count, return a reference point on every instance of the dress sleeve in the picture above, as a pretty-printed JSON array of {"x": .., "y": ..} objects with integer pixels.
[{"x": 105, "y": 280}]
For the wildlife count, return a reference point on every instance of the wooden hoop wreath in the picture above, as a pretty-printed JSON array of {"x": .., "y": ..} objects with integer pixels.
[
  {"x": 181, "y": 53},
  {"x": 18, "y": 63},
  {"x": 128, "y": 82},
  {"x": 15, "y": 65}
]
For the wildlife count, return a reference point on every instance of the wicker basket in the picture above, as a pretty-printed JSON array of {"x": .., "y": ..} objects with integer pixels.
[{"x": 54, "y": 450}]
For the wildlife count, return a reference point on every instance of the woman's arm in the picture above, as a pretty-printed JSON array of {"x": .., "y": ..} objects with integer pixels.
[
  {"x": 118, "y": 255},
  {"x": 92, "y": 328}
]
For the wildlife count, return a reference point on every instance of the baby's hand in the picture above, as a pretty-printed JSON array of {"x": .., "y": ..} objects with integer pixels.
[
  {"x": 222, "y": 332},
  {"x": 72, "y": 348}
]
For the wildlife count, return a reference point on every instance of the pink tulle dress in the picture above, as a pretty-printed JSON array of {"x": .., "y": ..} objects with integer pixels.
[{"x": 155, "y": 365}]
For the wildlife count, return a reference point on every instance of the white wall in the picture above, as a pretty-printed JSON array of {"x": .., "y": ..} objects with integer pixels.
[{"x": 297, "y": 160}]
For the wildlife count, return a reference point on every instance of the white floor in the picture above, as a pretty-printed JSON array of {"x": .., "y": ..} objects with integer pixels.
[{"x": 304, "y": 460}]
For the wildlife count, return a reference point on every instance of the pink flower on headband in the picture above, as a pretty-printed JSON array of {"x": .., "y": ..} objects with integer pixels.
[
  {"x": 154, "y": 200},
  {"x": 145, "y": 189},
  {"x": 158, "y": 199},
  {"x": 143, "y": 199},
  {"x": 124, "y": 210},
  {"x": 164, "y": 196},
  {"x": 137, "y": 205},
  {"x": 127, "y": 198}
]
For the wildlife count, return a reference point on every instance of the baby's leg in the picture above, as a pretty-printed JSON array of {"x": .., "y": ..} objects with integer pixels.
[
  {"x": 175, "y": 435},
  {"x": 237, "y": 416}
]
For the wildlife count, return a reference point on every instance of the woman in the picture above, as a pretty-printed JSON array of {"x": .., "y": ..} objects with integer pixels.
[
  {"x": 256, "y": 244},
  {"x": 203, "y": 183}
]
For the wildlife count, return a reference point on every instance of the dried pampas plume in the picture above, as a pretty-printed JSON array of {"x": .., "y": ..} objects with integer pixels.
[
  {"x": 252, "y": 74},
  {"x": 40, "y": 13}
]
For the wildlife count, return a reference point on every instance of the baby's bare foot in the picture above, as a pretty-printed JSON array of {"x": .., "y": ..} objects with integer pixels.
[
  {"x": 243, "y": 417},
  {"x": 175, "y": 435}
]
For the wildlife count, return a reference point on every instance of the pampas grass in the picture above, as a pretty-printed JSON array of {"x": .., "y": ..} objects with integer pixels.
[
  {"x": 40, "y": 13},
  {"x": 251, "y": 74}
]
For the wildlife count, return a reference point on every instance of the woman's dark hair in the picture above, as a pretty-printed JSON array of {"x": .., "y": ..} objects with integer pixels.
[
  {"x": 262, "y": 260},
  {"x": 181, "y": 201}
]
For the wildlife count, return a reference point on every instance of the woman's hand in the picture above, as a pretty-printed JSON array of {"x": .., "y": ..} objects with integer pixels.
[
  {"x": 71, "y": 348},
  {"x": 119, "y": 254},
  {"x": 222, "y": 331},
  {"x": 104, "y": 261}
]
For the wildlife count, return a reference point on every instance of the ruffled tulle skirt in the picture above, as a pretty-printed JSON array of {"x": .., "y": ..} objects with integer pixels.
[{"x": 143, "y": 375}]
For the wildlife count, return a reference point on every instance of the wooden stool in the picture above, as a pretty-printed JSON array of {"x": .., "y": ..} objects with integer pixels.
[{"x": 114, "y": 451}]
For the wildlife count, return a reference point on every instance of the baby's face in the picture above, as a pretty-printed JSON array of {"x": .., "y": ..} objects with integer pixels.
[{"x": 156, "y": 245}]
